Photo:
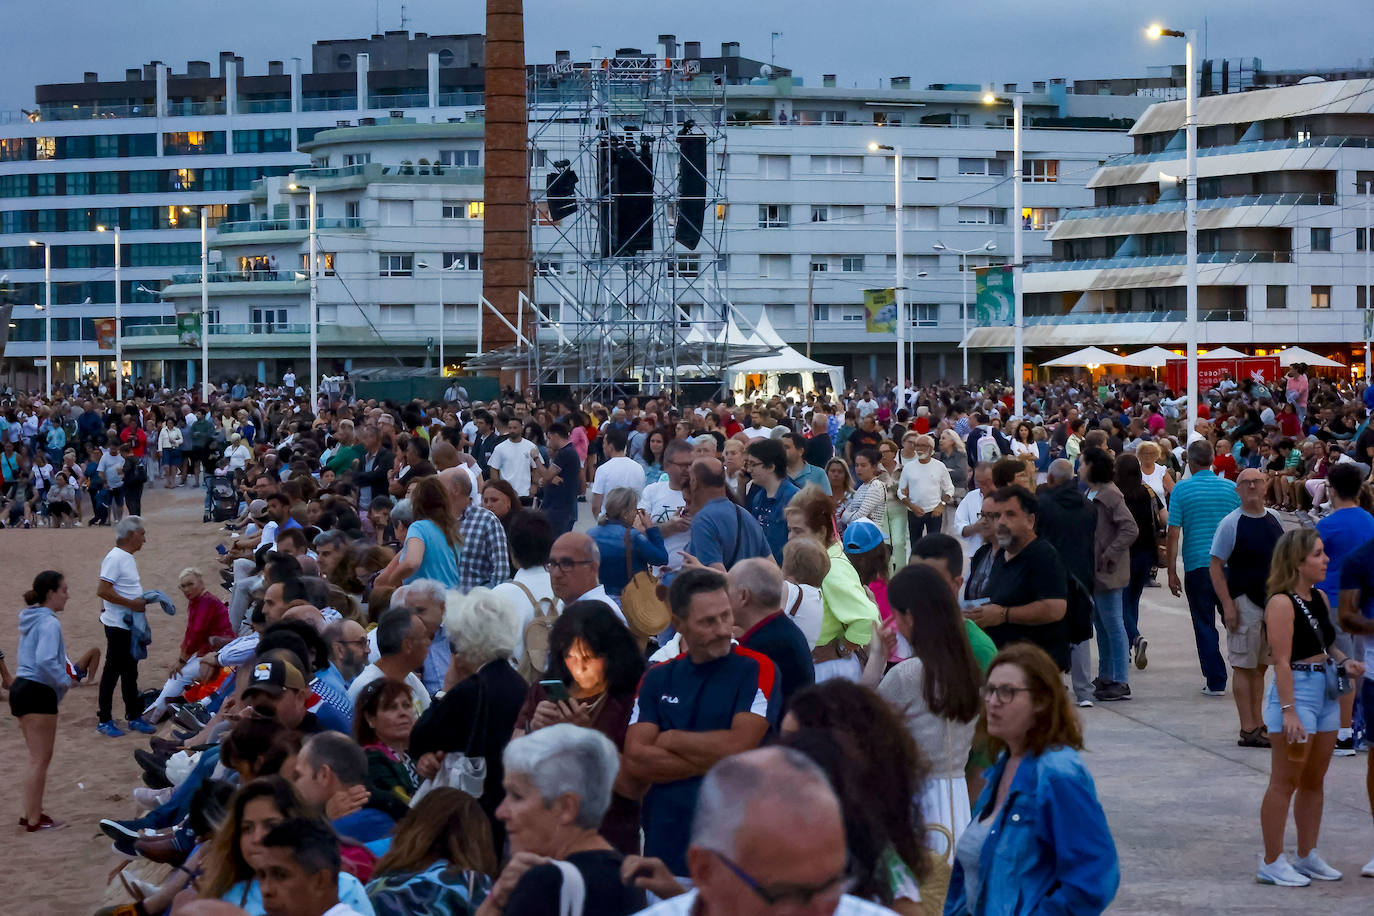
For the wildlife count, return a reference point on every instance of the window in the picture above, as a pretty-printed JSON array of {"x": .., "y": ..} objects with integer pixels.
[
  {"x": 397, "y": 212},
  {"x": 462, "y": 260},
  {"x": 464, "y": 209},
  {"x": 1040, "y": 170},
  {"x": 183, "y": 180},
  {"x": 548, "y": 268},
  {"x": 982, "y": 166},
  {"x": 45, "y": 148},
  {"x": 926, "y": 314},
  {"x": 1321, "y": 297},
  {"x": 852, "y": 264},
  {"x": 398, "y": 314},
  {"x": 820, "y": 214},
  {"x": 46, "y": 185},
  {"x": 266, "y": 321},
  {"x": 353, "y": 212},
  {"x": 1276, "y": 297},
  {"x": 820, "y": 312},
  {"x": 836, "y": 165},
  {"x": 923, "y": 168},
  {"x": 982, "y": 216},
  {"x": 1362, "y": 297},
  {"x": 108, "y": 182},
  {"x": 344, "y": 62},
  {"x": 1039, "y": 218},
  {"x": 774, "y": 216},
  {"x": 396, "y": 265},
  {"x": 78, "y": 182},
  {"x": 1359, "y": 239},
  {"x": 820, "y": 267},
  {"x": 1321, "y": 239},
  {"x": 326, "y": 264},
  {"x": 188, "y": 142},
  {"x": 460, "y": 158},
  {"x": 775, "y": 266},
  {"x": 356, "y": 159},
  {"x": 853, "y": 313},
  {"x": 262, "y": 141},
  {"x": 778, "y": 167},
  {"x": 687, "y": 265},
  {"x": 958, "y": 120}
]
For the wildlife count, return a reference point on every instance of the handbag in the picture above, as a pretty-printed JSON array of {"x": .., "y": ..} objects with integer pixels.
[
  {"x": 935, "y": 887},
  {"x": 645, "y": 613},
  {"x": 1338, "y": 683},
  {"x": 466, "y": 772}
]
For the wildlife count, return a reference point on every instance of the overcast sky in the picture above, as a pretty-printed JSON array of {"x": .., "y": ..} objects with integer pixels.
[{"x": 979, "y": 41}]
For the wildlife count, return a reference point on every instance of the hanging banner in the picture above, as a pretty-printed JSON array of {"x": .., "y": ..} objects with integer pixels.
[
  {"x": 995, "y": 299},
  {"x": 880, "y": 311},
  {"x": 105, "y": 333},
  {"x": 188, "y": 329}
]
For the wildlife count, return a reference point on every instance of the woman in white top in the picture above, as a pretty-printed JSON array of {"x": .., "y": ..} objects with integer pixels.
[
  {"x": 1156, "y": 476},
  {"x": 169, "y": 440},
  {"x": 1023, "y": 440},
  {"x": 937, "y": 689}
]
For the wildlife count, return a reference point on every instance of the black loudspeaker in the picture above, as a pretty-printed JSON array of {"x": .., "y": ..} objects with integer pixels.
[
  {"x": 634, "y": 199},
  {"x": 691, "y": 186},
  {"x": 560, "y": 188}
]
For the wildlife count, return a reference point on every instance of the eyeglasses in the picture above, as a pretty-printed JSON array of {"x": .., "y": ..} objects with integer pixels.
[
  {"x": 360, "y": 641},
  {"x": 1005, "y": 693},
  {"x": 565, "y": 564},
  {"x": 790, "y": 895}
]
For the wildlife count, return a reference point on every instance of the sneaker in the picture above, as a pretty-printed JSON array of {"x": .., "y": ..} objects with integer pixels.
[
  {"x": 148, "y": 799},
  {"x": 109, "y": 729},
  {"x": 1141, "y": 644},
  {"x": 119, "y": 830},
  {"x": 1112, "y": 692},
  {"x": 1368, "y": 870},
  {"x": 138, "y": 725},
  {"x": 1085, "y": 704},
  {"x": 1280, "y": 873},
  {"x": 1209, "y": 692},
  {"x": 1314, "y": 866},
  {"x": 1345, "y": 747}
]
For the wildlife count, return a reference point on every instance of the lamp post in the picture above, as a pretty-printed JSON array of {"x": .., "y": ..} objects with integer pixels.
[
  {"x": 1017, "y": 253},
  {"x": 963, "y": 254},
  {"x": 314, "y": 300},
  {"x": 1190, "y": 209},
  {"x": 204, "y": 307},
  {"x": 440, "y": 270},
  {"x": 47, "y": 312},
  {"x": 899, "y": 288},
  {"x": 119, "y": 328}
]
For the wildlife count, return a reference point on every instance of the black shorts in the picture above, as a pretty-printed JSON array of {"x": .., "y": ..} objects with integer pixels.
[{"x": 28, "y": 696}]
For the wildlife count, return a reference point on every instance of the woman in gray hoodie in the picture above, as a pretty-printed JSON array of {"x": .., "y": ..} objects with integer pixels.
[{"x": 39, "y": 684}]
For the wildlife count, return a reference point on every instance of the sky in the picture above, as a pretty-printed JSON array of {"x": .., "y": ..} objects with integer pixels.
[{"x": 976, "y": 41}]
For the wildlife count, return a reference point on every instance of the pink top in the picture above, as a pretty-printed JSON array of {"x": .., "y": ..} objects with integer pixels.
[
  {"x": 578, "y": 438},
  {"x": 1297, "y": 386},
  {"x": 879, "y": 589},
  {"x": 206, "y": 616}
]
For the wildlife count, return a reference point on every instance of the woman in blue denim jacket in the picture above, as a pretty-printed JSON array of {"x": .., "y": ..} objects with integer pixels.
[
  {"x": 623, "y": 526},
  {"x": 1038, "y": 842}
]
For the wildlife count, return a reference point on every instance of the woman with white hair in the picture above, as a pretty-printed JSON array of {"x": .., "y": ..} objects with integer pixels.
[
  {"x": 482, "y": 695},
  {"x": 558, "y": 786}
]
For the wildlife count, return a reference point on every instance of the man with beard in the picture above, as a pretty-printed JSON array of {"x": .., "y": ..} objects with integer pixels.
[{"x": 347, "y": 650}]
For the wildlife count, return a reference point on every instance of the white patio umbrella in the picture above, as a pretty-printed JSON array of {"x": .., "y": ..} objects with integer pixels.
[
  {"x": 1152, "y": 357},
  {"x": 1222, "y": 353},
  {"x": 1291, "y": 355},
  {"x": 1088, "y": 356}
]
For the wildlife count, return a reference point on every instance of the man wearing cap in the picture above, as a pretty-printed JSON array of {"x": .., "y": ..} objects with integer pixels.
[{"x": 275, "y": 689}]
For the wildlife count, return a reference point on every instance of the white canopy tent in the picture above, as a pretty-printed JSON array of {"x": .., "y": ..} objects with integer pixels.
[
  {"x": 786, "y": 361},
  {"x": 1152, "y": 357},
  {"x": 1221, "y": 353},
  {"x": 1088, "y": 356},
  {"x": 1291, "y": 355}
]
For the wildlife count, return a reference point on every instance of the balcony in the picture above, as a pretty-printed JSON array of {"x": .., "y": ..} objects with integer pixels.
[
  {"x": 263, "y": 106},
  {"x": 330, "y": 103},
  {"x": 88, "y": 112},
  {"x": 1289, "y": 199},
  {"x": 461, "y": 99},
  {"x": 373, "y": 170},
  {"x": 1247, "y": 146},
  {"x": 218, "y": 330},
  {"x": 288, "y": 225},
  {"x": 391, "y": 100},
  {"x": 1132, "y": 317},
  {"x": 195, "y": 109},
  {"x": 1164, "y": 260},
  {"x": 250, "y": 276}
]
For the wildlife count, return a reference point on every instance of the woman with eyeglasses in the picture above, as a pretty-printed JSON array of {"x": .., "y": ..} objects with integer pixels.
[
  {"x": 1038, "y": 841},
  {"x": 382, "y": 721}
]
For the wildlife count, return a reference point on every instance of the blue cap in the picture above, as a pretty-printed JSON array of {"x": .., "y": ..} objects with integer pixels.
[{"x": 862, "y": 536}]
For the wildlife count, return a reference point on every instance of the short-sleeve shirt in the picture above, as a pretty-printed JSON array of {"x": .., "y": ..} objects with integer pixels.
[
  {"x": 441, "y": 558},
  {"x": 618, "y": 472},
  {"x": 1341, "y": 532},
  {"x": 724, "y": 533},
  {"x": 813, "y": 474},
  {"x": 664, "y": 504},
  {"x": 1197, "y": 505},
  {"x": 119, "y": 569},
  {"x": 682, "y": 695},
  {"x": 513, "y": 460},
  {"x": 1245, "y": 543},
  {"x": 778, "y": 637},
  {"x": 1357, "y": 574},
  {"x": 1035, "y": 574},
  {"x": 562, "y": 497}
]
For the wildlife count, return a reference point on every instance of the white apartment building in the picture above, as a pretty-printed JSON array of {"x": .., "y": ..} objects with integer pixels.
[{"x": 1285, "y": 187}]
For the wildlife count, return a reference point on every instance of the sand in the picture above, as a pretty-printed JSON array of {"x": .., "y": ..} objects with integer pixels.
[{"x": 92, "y": 777}]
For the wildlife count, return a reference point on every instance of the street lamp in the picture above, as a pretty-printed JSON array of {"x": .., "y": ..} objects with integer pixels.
[
  {"x": 47, "y": 311},
  {"x": 963, "y": 254},
  {"x": 441, "y": 270},
  {"x": 314, "y": 301},
  {"x": 1190, "y": 209},
  {"x": 1017, "y": 253},
  {"x": 119, "y": 336},
  {"x": 899, "y": 288}
]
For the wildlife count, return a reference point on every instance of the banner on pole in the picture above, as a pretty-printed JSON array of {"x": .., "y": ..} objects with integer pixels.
[
  {"x": 880, "y": 311},
  {"x": 995, "y": 299},
  {"x": 188, "y": 329},
  {"x": 105, "y": 333}
]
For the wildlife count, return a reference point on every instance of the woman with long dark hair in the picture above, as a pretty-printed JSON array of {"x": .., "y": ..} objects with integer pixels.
[
  {"x": 432, "y": 543},
  {"x": 1146, "y": 508},
  {"x": 40, "y": 682}
]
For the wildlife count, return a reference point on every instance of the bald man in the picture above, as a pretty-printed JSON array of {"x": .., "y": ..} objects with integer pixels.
[
  {"x": 756, "y": 592},
  {"x": 574, "y": 571},
  {"x": 722, "y": 533}
]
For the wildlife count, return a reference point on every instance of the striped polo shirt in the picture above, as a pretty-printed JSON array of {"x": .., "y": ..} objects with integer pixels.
[{"x": 1197, "y": 505}]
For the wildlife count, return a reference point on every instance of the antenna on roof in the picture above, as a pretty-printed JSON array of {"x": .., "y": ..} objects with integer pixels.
[{"x": 404, "y": 18}]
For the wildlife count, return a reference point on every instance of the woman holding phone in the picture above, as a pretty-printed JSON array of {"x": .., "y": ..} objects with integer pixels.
[
  {"x": 594, "y": 670},
  {"x": 1300, "y": 707}
]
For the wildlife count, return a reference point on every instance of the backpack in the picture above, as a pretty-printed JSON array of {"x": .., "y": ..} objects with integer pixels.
[
  {"x": 534, "y": 662},
  {"x": 987, "y": 448}
]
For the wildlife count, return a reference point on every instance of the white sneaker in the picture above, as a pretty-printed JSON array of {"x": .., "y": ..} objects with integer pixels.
[
  {"x": 1368, "y": 870},
  {"x": 1085, "y": 704},
  {"x": 148, "y": 799},
  {"x": 1314, "y": 866},
  {"x": 1280, "y": 873}
]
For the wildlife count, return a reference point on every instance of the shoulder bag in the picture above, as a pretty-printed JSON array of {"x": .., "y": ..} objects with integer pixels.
[
  {"x": 466, "y": 771},
  {"x": 645, "y": 613},
  {"x": 1338, "y": 683}
]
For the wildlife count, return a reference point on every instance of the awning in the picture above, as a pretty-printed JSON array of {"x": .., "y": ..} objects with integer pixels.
[
  {"x": 1223, "y": 353},
  {"x": 1291, "y": 355},
  {"x": 1088, "y": 356},
  {"x": 1152, "y": 357},
  {"x": 787, "y": 360}
]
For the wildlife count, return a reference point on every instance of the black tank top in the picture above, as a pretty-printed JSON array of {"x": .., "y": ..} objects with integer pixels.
[{"x": 1305, "y": 641}]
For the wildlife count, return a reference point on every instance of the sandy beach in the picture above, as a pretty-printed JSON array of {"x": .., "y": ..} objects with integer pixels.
[{"x": 65, "y": 871}]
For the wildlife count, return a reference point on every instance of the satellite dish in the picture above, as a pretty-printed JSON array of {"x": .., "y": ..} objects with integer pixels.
[{"x": 766, "y": 71}]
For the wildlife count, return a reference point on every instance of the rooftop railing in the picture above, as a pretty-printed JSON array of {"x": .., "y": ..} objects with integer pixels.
[
  {"x": 87, "y": 112},
  {"x": 1164, "y": 260},
  {"x": 1131, "y": 317},
  {"x": 1288, "y": 198},
  {"x": 245, "y": 276},
  {"x": 289, "y": 225}
]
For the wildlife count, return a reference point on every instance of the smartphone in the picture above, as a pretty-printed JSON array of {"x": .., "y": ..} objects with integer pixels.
[
  {"x": 221, "y": 549},
  {"x": 556, "y": 689}
]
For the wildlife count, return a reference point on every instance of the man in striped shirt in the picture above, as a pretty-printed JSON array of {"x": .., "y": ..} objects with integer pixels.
[{"x": 1196, "y": 507}]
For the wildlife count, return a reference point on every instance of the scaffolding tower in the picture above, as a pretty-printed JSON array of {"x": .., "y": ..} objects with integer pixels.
[{"x": 621, "y": 295}]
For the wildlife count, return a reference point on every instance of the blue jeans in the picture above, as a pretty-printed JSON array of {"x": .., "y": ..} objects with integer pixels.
[
  {"x": 1202, "y": 605},
  {"x": 179, "y": 805},
  {"x": 1113, "y": 652},
  {"x": 1141, "y": 564}
]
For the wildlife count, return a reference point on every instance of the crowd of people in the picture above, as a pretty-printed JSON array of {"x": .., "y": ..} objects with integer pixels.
[{"x": 780, "y": 610}]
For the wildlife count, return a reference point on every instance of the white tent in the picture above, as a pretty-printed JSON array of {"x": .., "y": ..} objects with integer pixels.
[
  {"x": 764, "y": 331},
  {"x": 697, "y": 335},
  {"x": 1152, "y": 357},
  {"x": 1291, "y": 355},
  {"x": 732, "y": 336},
  {"x": 1088, "y": 356},
  {"x": 786, "y": 361},
  {"x": 1221, "y": 353}
]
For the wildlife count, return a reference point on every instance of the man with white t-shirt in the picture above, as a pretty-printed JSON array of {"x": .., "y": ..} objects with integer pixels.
[
  {"x": 121, "y": 592},
  {"x": 514, "y": 458},
  {"x": 403, "y": 641},
  {"x": 665, "y": 503},
  {"x": 616, "y": 471}
]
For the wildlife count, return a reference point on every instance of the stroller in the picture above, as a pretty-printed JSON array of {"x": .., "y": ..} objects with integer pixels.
[{"x": 224, "y": 500}]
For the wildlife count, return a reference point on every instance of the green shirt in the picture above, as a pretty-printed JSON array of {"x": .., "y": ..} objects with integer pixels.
[{"x": 983, "y": 647}]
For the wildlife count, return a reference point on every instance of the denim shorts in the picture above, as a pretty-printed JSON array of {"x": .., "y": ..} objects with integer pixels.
[{"x": 1315, "y": 711}]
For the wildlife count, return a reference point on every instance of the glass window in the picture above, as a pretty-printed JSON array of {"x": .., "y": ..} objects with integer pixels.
[
  {"x": 820, "y": 312},
  {"x": 46, "y": 185},
  {"x": 820, "y": 214},
  {"x": 396, "y": 265},
  {"x": 1321, "y": 297},
  {"x": 1040, "y": 170},
  {"x": 192, "y": 142},
  {"x": 47, "y": 221},
  {"x": 774, "y": 216},
  {"x": 460, "y": 158},
  {"x": 853, "y": 263},
  {"x": 143, "y": 182},
  {"x": 462, "y": 260},
  {"x": 107, "y": 182},
  {"x": 1276, "y": 297},
  {"x": 142, "y": 217},
  {"x": 16, "y": 149},
  {"x": 398, "y": 314},
  {"x": 1039, "y": 218},
  {"x": 78, "y": 182},
  {"x": 1321, "y": 239},
  {"x": 74, "y": 147},
  {"x": 455, "y": 209},
  {"x": 45, "y": 148}
]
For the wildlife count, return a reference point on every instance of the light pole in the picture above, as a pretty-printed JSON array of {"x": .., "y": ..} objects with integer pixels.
[
  {"x": 1017, "y": 253},
  {"x": 314, "y": 302},
  {"x": 1190, "y": 209},
  {"x": 899, "y": 287},
  {"x": 204, "y": 307},
  {"x": 119, "y": 304},
  {"x": 440, "y": 270},
  {"x": 1368, "y": 290},
  {"x": 47, "y": 312},
  {"x": 963, "y": 254}
]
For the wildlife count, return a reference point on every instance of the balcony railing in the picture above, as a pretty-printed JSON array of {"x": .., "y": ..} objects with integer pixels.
[
  {"x": 381, "y": 100},
  {"x": 459, "y": 174},
  {"x": 263, "y": 106},
  {"x": 462, "y": 98},
  {"x": 1289, "y": 198},
  {"x": 218, "y": 330},
  {"x": 329, "y": 103},
  {"x": 1131, "y": 317},
  {"x": 1165, "y": 260},
  {"x": 289, "y": 225},
  {"x": 87, "y": 112},
  {"x": 1249, "y": 146},
  {"x": 193, "y": 109},
  {"x": 247, "y": 276}
]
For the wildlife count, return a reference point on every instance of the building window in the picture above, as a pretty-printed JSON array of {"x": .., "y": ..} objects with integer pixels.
[
  {"x": 548, "y": 268},
  {"x": 993, "y": 167},
  {"x": 462, "y": 260},
  {"x": 982, "y": 216},
  {"x": 853, "y": 313},
  {"x": 688, "y": 265},
  {"x": 455, "y": 209},
  {"x": 397, "y": 314},
  {"x": 396, "y": 265},
  {"x": 820, "y": 214},
  {"x": 832, "y": 165},
  {"x": 927, "y": 314},
  {"x": 1321, "y": 297},
  {"x": 820, "y": 312},
  {"x": 852, "y": 264},
  {"x": 45, "y": 148},
  {"x": 773, "y": 216},
  {"x": 460, "y": 158},
  {"x": 776, "y": 167},
  {"x": 1276, "y": 297},
  {"x": 353, "y": 212},
  {"x": 477, "y": 209},
  {"x": 1321, "y": 239},
  {"x": 326, "y": 264},
  {"x": 958, "y": 120},
  {"x": 1040, "y": 170},
  {"x": 820, "y": 267},
  {"x": 1362, "y": 297},
  {"x": 356, "y": 159},
  {"x": 1039, "y": 218},
  {"x": 267, "y": 321}
]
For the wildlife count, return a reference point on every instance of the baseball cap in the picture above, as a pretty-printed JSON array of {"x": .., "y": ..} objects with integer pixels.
[
  {"x": 257, "y": 509},
  {"x": 861, "y": 536},
  {"x": 274, "y": 676}
]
